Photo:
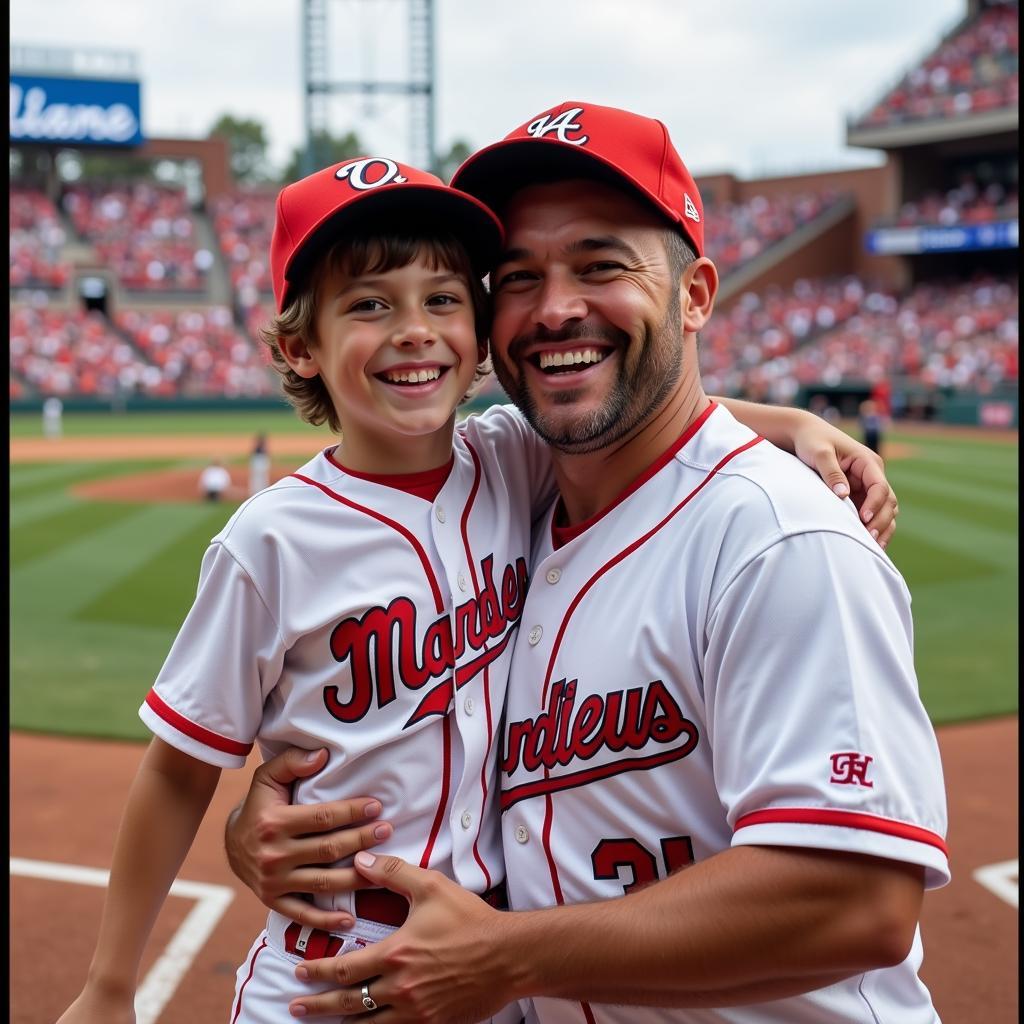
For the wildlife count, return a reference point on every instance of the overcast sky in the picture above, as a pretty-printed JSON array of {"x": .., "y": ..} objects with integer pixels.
[{"x": 749, "y": 86}]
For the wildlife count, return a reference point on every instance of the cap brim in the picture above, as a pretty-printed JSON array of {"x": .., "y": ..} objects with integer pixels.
[
  {"x": 498, "y": 171},
  {"x": 406, "y": 207}
]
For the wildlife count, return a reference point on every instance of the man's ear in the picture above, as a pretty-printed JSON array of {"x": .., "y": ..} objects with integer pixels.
[
  {"x": 298, "y": 356},
  {"x": 697, "y": 290}
]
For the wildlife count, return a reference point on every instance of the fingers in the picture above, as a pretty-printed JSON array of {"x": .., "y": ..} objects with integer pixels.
[
  {"x": 826, "y": 462},
  {"x": 311, "y": 916},
  {"x": 395, "y": 874},
  {"x": 341, "y": 1002},
  {"x": 294, "y": 763}
]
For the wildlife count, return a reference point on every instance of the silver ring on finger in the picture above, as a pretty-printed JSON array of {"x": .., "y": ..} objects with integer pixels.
[{"x": 368, "y": 1001}]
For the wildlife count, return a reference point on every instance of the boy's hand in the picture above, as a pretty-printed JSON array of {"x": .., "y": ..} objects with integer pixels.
[
  {"x": 279, "y": 850},
  {"x": 852, "y": 470}
]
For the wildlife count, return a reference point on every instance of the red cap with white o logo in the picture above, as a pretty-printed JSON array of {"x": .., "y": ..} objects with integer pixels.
[
  {"x": 583, "y": 139},
  {"x": 363, "y": 194}
]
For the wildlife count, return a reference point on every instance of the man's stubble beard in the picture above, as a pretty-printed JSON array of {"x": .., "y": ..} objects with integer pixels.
[{"x": 634, "y": 397}]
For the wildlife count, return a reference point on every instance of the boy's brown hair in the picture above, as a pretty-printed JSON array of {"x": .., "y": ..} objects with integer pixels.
[{"x": 371, "y": 253}]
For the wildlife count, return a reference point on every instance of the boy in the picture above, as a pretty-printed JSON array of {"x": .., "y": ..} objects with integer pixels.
[{"x": 367, "y": 603}]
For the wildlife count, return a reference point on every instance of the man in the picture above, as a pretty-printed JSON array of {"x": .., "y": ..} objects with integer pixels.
[{"x": 722, "y": 798}]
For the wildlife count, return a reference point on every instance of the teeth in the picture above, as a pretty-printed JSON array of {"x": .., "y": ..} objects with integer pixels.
[
  {"x": 413, "y": 376},
  {"x": 585, "y": 356}
]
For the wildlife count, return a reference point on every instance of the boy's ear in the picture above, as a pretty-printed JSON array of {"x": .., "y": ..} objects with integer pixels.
[{"x": 298, "y": 356}]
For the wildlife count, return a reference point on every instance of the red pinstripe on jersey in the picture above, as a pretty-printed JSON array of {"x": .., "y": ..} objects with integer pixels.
[
  {"x": 607, "y": 567},
  {"x": 487, "y": 672},
  {"x": 397, "y": 527},
  {"x": 844, "y": 819},
  {"x": 446, "y": 754},
  {"x": 197, "y": 732}
]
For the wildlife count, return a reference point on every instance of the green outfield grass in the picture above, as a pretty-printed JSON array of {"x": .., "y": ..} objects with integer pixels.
[
  {"x": 105, "y": 424},
  {"x": 98, "y": 589}
]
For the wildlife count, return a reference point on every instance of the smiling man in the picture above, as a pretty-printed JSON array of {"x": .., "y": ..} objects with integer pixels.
[{"x": 722, "y": 798}]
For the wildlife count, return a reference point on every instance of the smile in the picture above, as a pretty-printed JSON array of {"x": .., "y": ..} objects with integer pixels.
[
  {"x": 569, "y": 360},
  {"x": 412, "y": 376}
]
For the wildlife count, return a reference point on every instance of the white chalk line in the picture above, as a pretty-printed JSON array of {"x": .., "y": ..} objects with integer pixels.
[
  {"x": 159, "y": 984},
  {"x": 1002, "y": 879}
]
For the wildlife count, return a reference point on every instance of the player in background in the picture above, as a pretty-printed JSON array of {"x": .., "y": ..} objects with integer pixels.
[
  {"x": 348, "y": 606},
  {"x": 722, "y": 798}
]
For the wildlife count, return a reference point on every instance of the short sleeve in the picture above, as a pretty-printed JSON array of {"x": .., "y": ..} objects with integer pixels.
[
  {"x": 208, "y": 698},
  {"x": 819, "y": 735}
]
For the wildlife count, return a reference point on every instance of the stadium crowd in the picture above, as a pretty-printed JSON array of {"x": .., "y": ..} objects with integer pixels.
[
  {"x": 36, "y": 241},
  {"x": 972, "y": 71},
  {"x": 243, "y": 222},
  {"x": 968, "y": 203},
  {"x": 952, "y": 335},
  {"x": 143, "y": 232},
  {"x": 198, "y": 352}
]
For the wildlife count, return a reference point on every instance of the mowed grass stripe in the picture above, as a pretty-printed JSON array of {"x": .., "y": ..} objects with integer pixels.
[
  {"x": 922, "y": 519},
  {"x": 988, "y": 492},
  {"x": 83, "y": 679},
  {"x": 41, "y": 526},
  {"x": 965, "y": 647},
  {"x": 36, "y": 478},
  {"x": 76, "y": 570},
  {"x": 132, "y": 601},
  {"x": 975, "y": 512}
]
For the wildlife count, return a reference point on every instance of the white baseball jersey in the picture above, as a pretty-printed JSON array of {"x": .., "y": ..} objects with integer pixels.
[
  {"x": 337, "y": 611},
  {"x": 722, "y": 657}
]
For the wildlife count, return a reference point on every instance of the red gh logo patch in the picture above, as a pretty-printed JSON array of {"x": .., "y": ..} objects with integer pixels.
[{"x": 850, "y": 768}]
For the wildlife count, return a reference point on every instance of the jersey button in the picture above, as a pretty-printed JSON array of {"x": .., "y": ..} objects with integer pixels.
[
  {"x": 468, "y": 705},
  {"x": 439, "y": 512},
  {"x": 467, "y": 819},
  {"x": 535, "y": 634},
  {"x": 462, "y": 581},
  {"x": 522, "y": 834},
  {"x": 553, "y": 575}
]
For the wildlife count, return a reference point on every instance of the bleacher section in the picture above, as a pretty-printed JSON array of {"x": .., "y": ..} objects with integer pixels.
[
  {"x": 972, "y": 71},
  {"x": 36, "y": 241}
]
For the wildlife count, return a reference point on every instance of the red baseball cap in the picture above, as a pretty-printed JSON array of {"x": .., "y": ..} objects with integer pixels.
[
  {"x": 583, "y": 139},
  {"x": 365, "y": 193}
]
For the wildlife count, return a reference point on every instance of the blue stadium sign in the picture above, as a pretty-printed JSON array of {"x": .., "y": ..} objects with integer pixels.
[
  {"x": 959, "y": 238},
  {"x": 75, "y": 110}
]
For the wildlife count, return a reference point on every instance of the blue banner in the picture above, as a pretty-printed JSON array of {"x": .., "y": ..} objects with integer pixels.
[
  {"x": 958, "y": 238},
  {"x": 75, "y": 110}
]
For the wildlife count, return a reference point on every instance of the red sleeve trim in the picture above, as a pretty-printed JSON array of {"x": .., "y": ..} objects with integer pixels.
[
  {"x": 843, "y": 819},
  {"x": 196, "y": 732}
]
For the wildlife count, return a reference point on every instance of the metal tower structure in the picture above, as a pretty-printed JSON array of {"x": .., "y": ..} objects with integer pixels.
[{"x": 417, "y": 85}]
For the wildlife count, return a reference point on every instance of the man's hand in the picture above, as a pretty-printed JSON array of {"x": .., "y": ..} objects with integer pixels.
[
  {"x": 444, "y": 966},
  {"x": 279, "y": 850},
  {"x": 850, "y": 469}
]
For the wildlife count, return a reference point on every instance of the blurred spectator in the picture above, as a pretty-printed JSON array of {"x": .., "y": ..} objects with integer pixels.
[{"x": 871, "y": 425}]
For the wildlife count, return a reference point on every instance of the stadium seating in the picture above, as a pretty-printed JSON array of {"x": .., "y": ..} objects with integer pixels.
[
  {"x": 966, "y": 204},
  {"x": 63, "y": 352},
  {"x": 736, "y": 233},
  {"x": 951, "y": 335},
  {"x": 143, "y": 232},
  {"x": 973, "y": 71},
  {"x": 36, "y": 240},
  {"x": 243, "y": 222},
  {"x": 198, "y": 352}
]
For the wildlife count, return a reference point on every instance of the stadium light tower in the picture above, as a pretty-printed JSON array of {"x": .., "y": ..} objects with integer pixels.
[{"x": 417, "y": 84}]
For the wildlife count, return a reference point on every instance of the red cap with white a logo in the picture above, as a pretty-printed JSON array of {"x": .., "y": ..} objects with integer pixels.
[
  {"x": 368, "y": 194},
  {"x": 583, "y": 139}
]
